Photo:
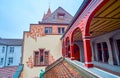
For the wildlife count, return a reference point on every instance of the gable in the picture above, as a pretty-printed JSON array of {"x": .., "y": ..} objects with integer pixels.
[{"x": 58, "y": 16}]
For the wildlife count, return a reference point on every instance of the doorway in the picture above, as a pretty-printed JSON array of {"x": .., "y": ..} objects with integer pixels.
[{"x": 77, "y": 52}]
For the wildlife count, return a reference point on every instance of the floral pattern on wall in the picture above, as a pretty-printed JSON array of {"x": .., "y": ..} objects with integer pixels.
[
  {"x": 36, "y": 60},
  {"x": 36, "y": 31},
  {"x": 51, "y": 59},
  {"x": 30, "y": 62}
]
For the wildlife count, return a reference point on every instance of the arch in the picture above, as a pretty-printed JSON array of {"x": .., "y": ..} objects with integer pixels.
[
  {"x": 73, "y": 32},
  {"x": 75, "y": 51},
  {"x": 67, "y": 45},
  {"x": 87, "y": 28}
]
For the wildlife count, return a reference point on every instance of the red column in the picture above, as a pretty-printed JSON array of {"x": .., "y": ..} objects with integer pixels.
[
  {"x": 63, "y": 53},
  {"x": 72, "y": 50},
  {"x": 66, "y": 51},
  {"x": 87, "y": 52}
]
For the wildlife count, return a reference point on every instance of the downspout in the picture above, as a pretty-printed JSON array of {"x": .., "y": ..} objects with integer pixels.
[{"x": 6, "y": 55}]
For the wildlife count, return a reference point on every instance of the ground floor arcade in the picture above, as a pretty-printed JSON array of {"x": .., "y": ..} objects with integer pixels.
[{"x": 93, "y": 34}]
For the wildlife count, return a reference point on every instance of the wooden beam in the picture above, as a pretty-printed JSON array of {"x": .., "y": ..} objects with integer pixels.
[{"x": 104, "y": 18}]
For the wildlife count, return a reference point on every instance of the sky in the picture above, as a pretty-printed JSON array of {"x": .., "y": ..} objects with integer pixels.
[{"x": 17, "y": 15}]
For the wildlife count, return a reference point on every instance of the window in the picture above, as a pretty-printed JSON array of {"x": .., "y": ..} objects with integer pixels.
[
  {"x": 3, "y": 49},
  {"x": 10, "y": 60},
  {"x": 103, "y": 53},
  {"x": 118, "y": 46},
  {"x": 99, "y": 48},
  {"x": 46, "y": 61},
  {"x": 41, "y": 58},
  {"x": 11, "y": 49},
  {"x": 1, "y": 61},
  {"x": 36, "y": 58},
  {"x": 61, "y": 30},
  {"x": 48, "y": 30},
  {"x": 61, "y": 16}
]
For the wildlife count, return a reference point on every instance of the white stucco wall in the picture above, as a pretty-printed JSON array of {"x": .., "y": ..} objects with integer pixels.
[
  {"x": 2, "y": 55},
  {"x": 17, "y": 54},
  {"x": 49, "y": 42}
]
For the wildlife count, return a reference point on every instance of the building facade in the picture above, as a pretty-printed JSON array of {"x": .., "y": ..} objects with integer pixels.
[
  {"x": 94, "y": 34},
  {"x": 92, "y": 37},
  {"x": 42, "y": 44},
  {"x": 10, "y": 52}
]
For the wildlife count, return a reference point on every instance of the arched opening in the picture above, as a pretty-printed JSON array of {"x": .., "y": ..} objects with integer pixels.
[
  {"x": 68, "y": 47},
  {"x": 77, "y": 52},
  {"x": 78, "y": 44},
  {"x": 105, "y": 23}
]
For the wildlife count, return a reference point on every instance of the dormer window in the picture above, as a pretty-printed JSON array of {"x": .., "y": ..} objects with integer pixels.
[{"x": 61, "y": 15}]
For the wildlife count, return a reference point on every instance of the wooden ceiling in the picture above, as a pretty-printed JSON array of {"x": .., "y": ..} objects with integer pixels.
[
  {"x": 107, "y": 19},
  {"x": 77, "y": 35}
]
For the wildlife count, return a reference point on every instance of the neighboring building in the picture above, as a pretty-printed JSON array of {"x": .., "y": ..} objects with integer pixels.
[
  {"x": 42, "y": 44},
  {"x": 10, "y": 52}
]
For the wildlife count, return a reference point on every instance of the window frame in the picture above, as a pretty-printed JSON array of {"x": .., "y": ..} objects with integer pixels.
[
  {"x": 39, "y": 58},
  {"x": 11, "y": 49},
  {"x": 61, "y": 29},
  {"x": 3, "y": 49},
  {"x": 61, "y": 16},
  {"x": 1, "y": 61},
  {"x": 10, "y": 60},
  {"x": 49, "y": 30}
]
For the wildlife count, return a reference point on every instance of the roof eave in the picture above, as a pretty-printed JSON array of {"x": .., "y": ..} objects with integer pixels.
[{"x": 82, "y": 7}]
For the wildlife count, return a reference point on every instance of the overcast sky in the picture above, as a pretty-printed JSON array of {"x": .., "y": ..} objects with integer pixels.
[{"x": 17, "y": 15}]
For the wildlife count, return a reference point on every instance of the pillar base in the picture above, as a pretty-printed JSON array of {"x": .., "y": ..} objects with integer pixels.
[
  {"x": 72, "y": 58},
  {"x": 89, "y": 65}
]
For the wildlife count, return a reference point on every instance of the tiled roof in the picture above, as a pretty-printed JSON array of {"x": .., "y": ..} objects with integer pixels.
[
  {"x": 11, "y": 42},
  {"x": 64, "y": 69},
  {"x": 8, "y": 72},
  {"x": 53, "y": 17}
]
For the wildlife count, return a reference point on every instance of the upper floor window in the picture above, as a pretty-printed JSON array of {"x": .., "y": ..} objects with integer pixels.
[
  {"x": 11, "y": 49},
  {"x": 61, "y": 15},
  {"x": 10, "y": 60},
  {"x": 1, "y": 61},
  {"x": 3, "y": 49},
  {"x": 48, "y": 30},
  {"x": 61, "y": 30},
  {"x": 41, "y": 58}
]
